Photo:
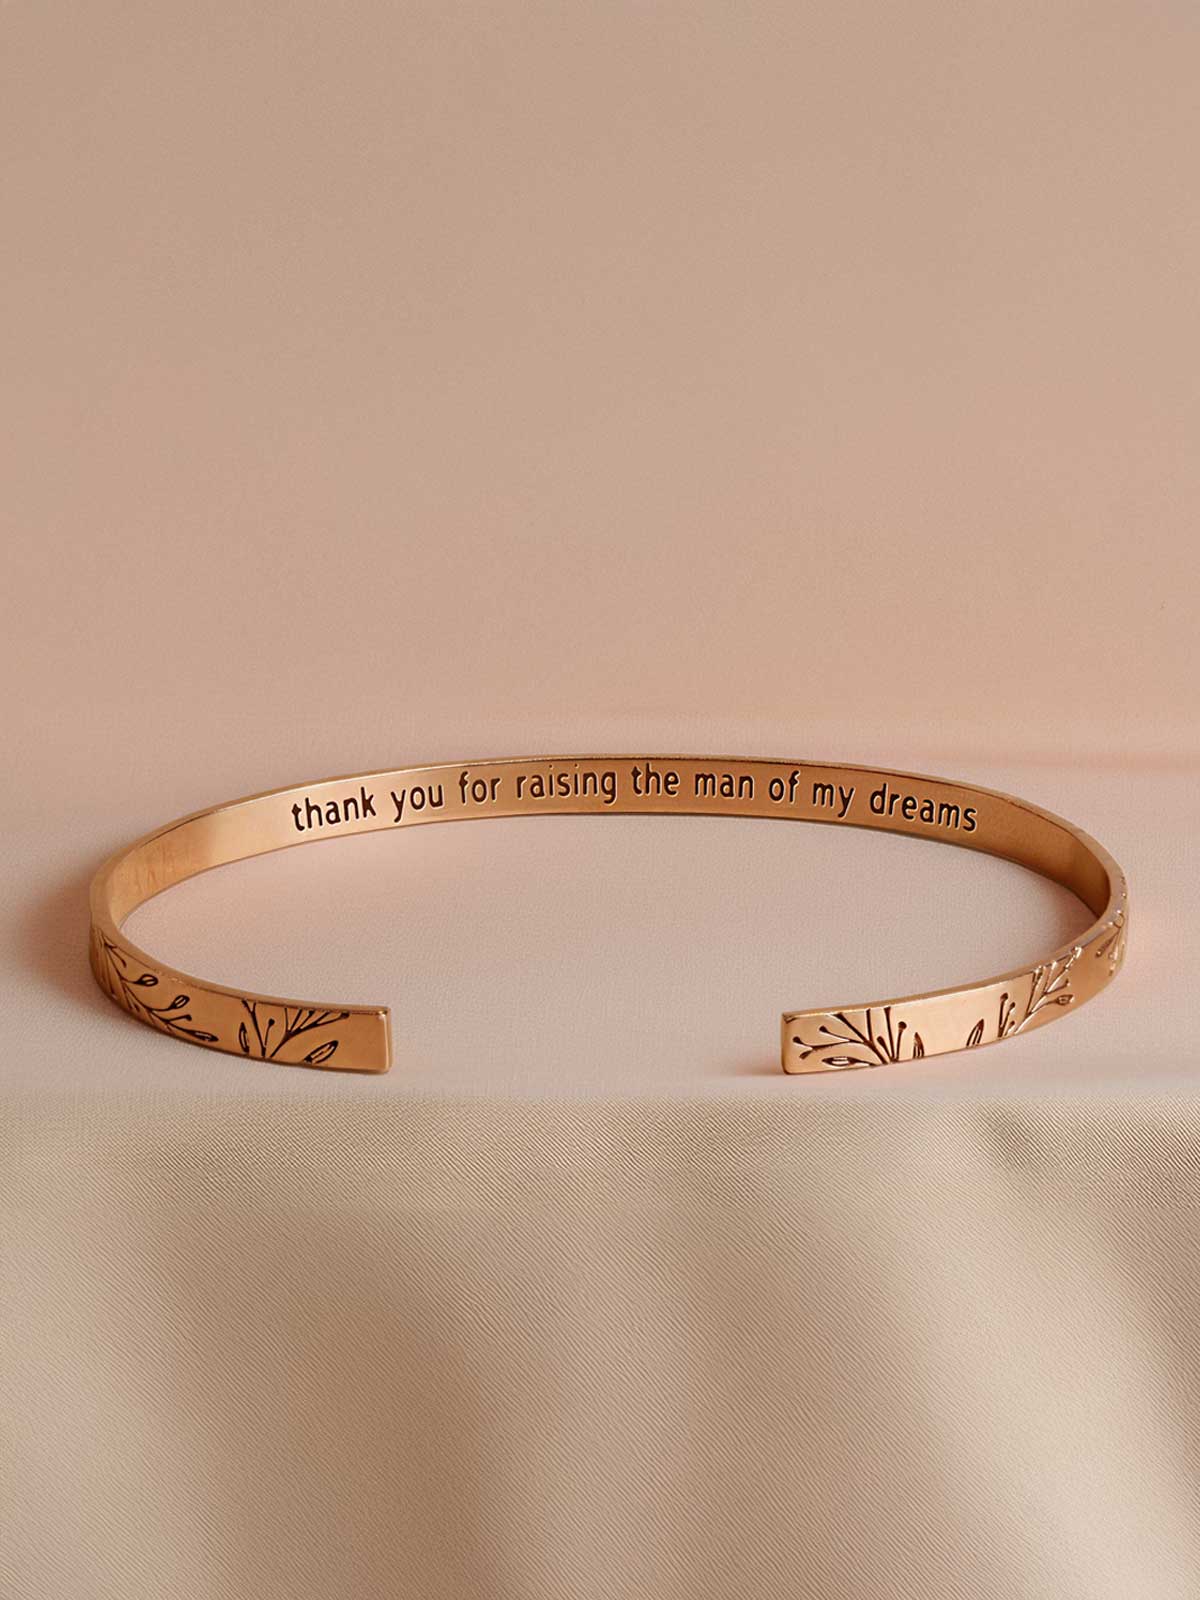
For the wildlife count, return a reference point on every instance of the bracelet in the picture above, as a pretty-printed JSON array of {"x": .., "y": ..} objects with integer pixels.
[{"x": 358, "y": 1038}]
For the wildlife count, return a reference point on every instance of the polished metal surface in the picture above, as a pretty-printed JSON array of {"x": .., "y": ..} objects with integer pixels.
[{"x": 340, "y": 1036}]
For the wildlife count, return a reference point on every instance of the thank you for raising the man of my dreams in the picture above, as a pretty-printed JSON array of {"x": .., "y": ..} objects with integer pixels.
[{"x": 475, "y": 793}]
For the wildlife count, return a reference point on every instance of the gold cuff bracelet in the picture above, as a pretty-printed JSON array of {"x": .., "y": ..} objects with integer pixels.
[{"x": 353, "y": 1038}]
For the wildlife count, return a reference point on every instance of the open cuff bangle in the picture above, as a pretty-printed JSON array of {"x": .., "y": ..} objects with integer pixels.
[{"x": 337, "y": 1035}]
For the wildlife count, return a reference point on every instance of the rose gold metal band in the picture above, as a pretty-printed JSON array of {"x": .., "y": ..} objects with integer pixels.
[{"x": 337, "y": 1035}]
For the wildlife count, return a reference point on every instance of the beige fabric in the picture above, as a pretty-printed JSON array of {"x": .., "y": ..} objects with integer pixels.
[{"x": 391, "y": 384}]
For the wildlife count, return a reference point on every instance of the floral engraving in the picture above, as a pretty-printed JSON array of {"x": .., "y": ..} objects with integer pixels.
[
  {"x": 872, "y": 1045},
  {"x": 1050, "y": 985},
  {"x": 1111, "y": 944},
  {"x": 257, "y": 1041},
  {"x": 867, "y": 1046},
  {"x": 128, "y": 990}
]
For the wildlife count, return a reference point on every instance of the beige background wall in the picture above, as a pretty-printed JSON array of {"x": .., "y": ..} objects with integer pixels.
[
  {"x": 386, "y": 383},
  {"x": 380, "y": 369}
]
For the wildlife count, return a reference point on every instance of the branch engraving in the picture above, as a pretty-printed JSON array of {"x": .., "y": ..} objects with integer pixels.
[
  {"x": 842, "y": 1042},
  {"x": 128, "y": 990}
]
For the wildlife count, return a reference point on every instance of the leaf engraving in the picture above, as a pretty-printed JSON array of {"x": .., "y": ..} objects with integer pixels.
[
  {"x": 1049, "y": 985},
  {"x": 882, "y": 1044},
  {"x": 112, "y": 964},
  {"x": 322, "y": 1053},
  {"x": 267, "y": 1035}
]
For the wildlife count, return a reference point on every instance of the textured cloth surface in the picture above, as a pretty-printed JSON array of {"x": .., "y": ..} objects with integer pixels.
[{"x": 395, "y": 384}]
